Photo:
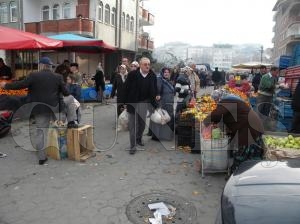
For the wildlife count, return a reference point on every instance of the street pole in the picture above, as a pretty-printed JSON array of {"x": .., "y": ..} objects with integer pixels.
[{"x": 261, "y": 53}]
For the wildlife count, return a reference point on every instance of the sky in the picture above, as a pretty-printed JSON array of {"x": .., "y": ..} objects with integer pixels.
[{"x": 207, "y": 22}]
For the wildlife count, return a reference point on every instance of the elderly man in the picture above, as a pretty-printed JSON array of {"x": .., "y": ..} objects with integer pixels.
[
  {"x": 45, "y": 88},
  {"x": 140, "y": 91}
]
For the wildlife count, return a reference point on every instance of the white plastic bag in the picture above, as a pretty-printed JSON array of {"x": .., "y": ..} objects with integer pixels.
[
  {"x": 160, "y": 116},
  {"x": 123, "y": 121}
]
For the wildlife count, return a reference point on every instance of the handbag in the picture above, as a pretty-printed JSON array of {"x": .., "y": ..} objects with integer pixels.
[{"x": 160, "y": 116}]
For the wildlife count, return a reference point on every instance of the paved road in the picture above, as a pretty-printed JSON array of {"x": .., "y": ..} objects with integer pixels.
[{"x": 98, "y": 191}]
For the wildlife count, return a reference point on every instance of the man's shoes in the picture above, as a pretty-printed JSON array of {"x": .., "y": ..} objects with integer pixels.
[
  {"x": 43, "y": 161},
  {"x": 132, "y": 151},
  {"x": 72, "y": 124},
  {"x": 140, "y": 143}
]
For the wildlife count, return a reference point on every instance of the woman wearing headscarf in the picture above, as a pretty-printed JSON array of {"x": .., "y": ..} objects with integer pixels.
[
  {"x": 243, "y": 125},
  {"x": 119, "y": 88},
  {"x": 165, "y": 97},
  {"x": 99, "y": 82}
]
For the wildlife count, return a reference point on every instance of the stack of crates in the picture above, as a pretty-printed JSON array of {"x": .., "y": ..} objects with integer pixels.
[
  {"x": 296, "y": 56},
  {"x": 188, "y": 134},
  {"x": 284, "y": 122}
]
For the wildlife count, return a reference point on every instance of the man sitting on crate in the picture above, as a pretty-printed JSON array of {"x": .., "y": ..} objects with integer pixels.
[{"x": 243, "y": 125}]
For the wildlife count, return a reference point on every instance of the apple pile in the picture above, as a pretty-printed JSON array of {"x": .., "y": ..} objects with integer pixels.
[{"x": 282, "y": 142}]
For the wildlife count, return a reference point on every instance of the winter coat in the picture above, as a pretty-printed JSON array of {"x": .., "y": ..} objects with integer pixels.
[
  {"x": 44, "y": 87},
  {"x": 166, "y": 91},
  {"x": 119, "y": 87},
  {"x": 131, "y": 93},
  {"x": 99, "y": 80},
  {"x": 239, "y": 119},
  {"x": 183, "y": 87}
]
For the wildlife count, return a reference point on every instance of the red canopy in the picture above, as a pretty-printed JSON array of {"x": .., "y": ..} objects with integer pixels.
[{"x": 12, "y": 39}]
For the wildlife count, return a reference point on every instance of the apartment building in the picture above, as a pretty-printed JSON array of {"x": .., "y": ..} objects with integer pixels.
[
  {"x": 118, "y": 23},
  {"x": 287, "y": 27}
]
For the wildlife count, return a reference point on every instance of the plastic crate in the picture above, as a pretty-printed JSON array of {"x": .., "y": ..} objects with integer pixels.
[
  {"x": 214, "y": 155},
  {"x": 284, "y": 125}
]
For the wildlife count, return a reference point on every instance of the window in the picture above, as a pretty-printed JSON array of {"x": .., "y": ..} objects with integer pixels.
[
  {"x": 66, "y": 10},
  {"x": 107, "y": 14},
  {"x": 131, "y": 27},
  {"x": 113, "y": 16},
  {"x": 127, "y": 22},
  {"x": 3, "y": 13},
  {"x": 45, "y": 12},
  {"x": 13, "y": 11},
  {"x": 100, "y": 11},
  {"x": 123, "y": 21},
  {"x": 55, "y": 12}
]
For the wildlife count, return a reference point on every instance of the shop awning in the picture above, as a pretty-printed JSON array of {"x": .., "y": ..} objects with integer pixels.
[
  {"x": 13, "y": 39},
  {"x": 80, "y": 43},
  {"x": 250, "y": 65}
]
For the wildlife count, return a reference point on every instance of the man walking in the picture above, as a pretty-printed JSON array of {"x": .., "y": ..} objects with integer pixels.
[
  {"x": 257, "y": 77},
  {"x": 266, "y": 90},
  {"x": 45, "y": 88},
  {"x": 140, "y": 92},
  {"x": 216, "y": 78}
]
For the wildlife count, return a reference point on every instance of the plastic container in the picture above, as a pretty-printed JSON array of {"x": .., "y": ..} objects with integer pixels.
[{"x": 214, "y": 155}]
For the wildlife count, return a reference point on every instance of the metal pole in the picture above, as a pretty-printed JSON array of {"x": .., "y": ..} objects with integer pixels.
[{"x": 261, "y": 53}]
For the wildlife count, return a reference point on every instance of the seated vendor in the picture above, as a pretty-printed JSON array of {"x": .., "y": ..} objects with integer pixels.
[
  {"x": 243, "y": 125},
  {"x": 5, "y": 71}
]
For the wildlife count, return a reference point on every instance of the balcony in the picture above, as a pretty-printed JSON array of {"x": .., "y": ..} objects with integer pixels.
[
  {"x": 146, "y": 18},
  {"x": 77, "y": 26},
  {"x": 145, "y": 44}
]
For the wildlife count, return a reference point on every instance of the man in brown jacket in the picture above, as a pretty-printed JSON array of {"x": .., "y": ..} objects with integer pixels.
[{"x": 243, "y": 125}]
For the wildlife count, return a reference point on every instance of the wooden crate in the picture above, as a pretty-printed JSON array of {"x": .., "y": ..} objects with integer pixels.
[{"x": 80, "y": 143}]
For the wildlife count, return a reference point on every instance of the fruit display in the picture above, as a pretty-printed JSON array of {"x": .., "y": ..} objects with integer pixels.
[
  {"x": 20, "y": 92},
  {"x": 238, "y": 93},
  {"x": 289, "y": 142},
  {"x": 198, "y": 109}
]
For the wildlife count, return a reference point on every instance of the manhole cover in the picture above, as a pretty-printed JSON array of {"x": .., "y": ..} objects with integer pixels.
[{"x": 138, "y": 212}]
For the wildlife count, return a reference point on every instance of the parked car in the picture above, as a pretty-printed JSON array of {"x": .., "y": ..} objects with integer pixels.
[{"x": 262, "y": 192}]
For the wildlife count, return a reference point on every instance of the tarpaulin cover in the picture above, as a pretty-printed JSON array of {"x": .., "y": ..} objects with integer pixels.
[{"x": 13, "y": 39}]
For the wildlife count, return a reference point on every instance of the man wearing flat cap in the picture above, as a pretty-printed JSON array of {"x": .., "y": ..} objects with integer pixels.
[{"x": 44, "y": 89}]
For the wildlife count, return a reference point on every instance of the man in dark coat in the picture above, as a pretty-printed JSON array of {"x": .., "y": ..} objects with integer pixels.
[
  {"x": 296, "y": 109},
  {"x": 99, "y": 82},
  {"x": 45, "y": 88},
  {"x": 140, "y": 92},
  {"x": 216, "y": 78},
  {"x": 257, "y": 77}
]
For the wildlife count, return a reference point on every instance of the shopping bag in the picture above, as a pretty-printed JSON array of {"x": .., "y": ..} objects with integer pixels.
[
  {"x": 52, "y": 148},
  {"x": 160, "y": 116},
  {"x": 123, "y": 121}
]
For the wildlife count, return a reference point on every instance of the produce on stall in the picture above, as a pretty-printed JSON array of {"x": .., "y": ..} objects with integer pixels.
[
  {"x": 21, "y": 92},
  {"x": 282, "y": 147}
]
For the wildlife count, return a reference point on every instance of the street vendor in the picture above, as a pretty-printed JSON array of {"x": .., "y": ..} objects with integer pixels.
[
  {"x": 242, "y": 123},
  {"x": 5, "y": 71}
]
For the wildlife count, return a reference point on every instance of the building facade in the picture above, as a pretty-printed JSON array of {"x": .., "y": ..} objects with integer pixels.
[
  {"x": 117, "y": 22},
  {"x": 287, "y": 27}
]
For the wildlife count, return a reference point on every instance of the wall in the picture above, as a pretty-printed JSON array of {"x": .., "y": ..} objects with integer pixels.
[{"x": 35, "y": 6}]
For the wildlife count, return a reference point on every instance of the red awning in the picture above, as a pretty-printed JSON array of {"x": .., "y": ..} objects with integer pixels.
[{"x": 12, "y": 39}]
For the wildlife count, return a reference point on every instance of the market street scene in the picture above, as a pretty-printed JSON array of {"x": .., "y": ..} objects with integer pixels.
[{"x": 149, "y": 112}]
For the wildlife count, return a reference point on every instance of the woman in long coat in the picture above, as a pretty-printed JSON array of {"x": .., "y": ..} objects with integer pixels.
[
  {"x": 165, "y": 93},
  {"x": 119, "y": 88}
]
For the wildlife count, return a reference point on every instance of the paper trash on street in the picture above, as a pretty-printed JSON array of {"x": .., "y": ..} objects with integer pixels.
[{"x": 160, "y": 210}]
